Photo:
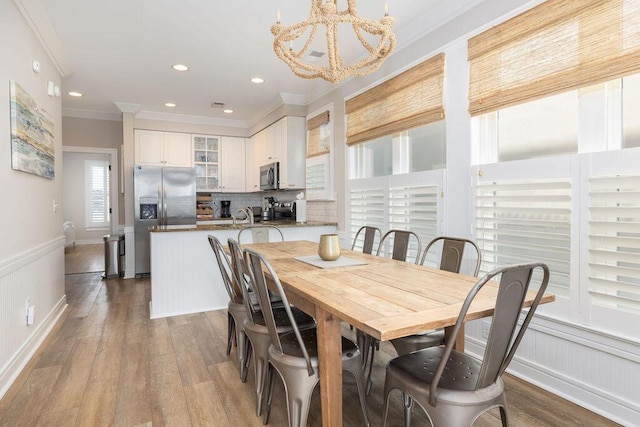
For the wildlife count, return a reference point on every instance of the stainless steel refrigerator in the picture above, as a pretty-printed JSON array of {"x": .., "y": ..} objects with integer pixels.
[{"x": 163, "y": 196}]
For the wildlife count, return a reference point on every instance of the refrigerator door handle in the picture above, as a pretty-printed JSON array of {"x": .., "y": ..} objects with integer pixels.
[
  {"x": 164, "y": 204},
  {"x": 160, "y": 213}
]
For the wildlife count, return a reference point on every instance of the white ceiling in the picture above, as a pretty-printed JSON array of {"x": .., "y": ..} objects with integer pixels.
[{"x": 122, "y": 51}]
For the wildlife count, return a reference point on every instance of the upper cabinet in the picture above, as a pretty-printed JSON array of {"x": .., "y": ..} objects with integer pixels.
[
  {"x": 220, "y": 163},
  {"x": 162, "y": 148},
  {"x": 283, "y": 142},
  {"x": 206, "y": 156},
  {"x": 232, "y": 165}
]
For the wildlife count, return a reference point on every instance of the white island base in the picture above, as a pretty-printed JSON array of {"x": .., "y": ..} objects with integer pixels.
[{"x": 185, "y": 277}]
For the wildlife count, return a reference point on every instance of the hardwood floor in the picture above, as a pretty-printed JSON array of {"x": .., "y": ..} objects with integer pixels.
[{"x": 107, "y": 363}]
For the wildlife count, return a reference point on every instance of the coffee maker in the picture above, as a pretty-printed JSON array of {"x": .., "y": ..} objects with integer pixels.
[{"x": 225, "y": 209}]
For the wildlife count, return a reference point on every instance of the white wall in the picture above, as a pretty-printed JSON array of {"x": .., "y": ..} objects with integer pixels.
[{"x": 32, "y": 250}]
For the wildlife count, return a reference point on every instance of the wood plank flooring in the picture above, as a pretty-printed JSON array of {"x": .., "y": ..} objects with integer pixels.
[{"x": 106, "y": 363}]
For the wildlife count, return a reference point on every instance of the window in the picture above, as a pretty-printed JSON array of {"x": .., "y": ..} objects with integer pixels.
[
  {"x": 97, "y": 209},
  {"x": 630, "y": 109},
  {"x": 415, "y": 150}
]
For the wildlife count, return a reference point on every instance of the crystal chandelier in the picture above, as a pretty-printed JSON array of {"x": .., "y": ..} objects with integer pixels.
[{"x": 326, "y": 14}]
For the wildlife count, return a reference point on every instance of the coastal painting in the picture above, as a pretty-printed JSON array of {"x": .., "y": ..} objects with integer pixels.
[{"x": 32, "y": 140}]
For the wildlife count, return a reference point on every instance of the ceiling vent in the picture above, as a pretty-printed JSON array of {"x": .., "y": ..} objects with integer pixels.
[
  {"x": 216, "y": 104},
  {"x": 316, "y": 54}
]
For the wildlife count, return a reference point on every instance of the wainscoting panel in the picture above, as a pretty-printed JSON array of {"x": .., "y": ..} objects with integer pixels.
[
  {"x": 37, "y": 275},
  {"x": 592, "y": 369}
]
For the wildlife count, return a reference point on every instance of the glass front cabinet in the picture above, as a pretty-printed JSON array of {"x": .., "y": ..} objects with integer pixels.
[{"x": 206, "y": 160}]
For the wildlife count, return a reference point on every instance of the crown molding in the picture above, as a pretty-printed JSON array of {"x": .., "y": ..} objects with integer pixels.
[
  {"x": 90, "y": 114},
  {"x": 198, "y": 120},
  {"x": 126, "y": 107},
  {"x": 37, "y": 19}
]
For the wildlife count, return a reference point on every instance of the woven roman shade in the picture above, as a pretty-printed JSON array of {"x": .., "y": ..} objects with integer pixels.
[
  {"x": 409, "y": 100},
  {"x": 315, "y": 147},
  {"x": 557, "y": 46}
]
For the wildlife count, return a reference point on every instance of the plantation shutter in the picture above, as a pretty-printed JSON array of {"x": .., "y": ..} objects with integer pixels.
[
  {"x": 554, "y": 47},
  {"x": 97, "y": 193},
  {"x": 526, "y": 221},
  {"x": 614, "y": 241},
  {"x": 409, "y": 100}
]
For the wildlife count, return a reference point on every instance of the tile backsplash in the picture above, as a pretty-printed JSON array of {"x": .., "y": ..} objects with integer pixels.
[{"x": 325, "y": 211}]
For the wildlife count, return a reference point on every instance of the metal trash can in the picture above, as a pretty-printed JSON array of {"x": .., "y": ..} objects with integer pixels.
[{"x": 113, "y": 256}]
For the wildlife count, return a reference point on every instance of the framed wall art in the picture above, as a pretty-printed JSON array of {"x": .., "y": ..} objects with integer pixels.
[{"x": 32, "y": 138}]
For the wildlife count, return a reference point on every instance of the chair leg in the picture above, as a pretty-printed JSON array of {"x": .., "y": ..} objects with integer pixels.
[
  {"x": 241, "y": 339},
  {"x": 248, "y": 349},
  {"x": 230, "y": 332},
  {"x": 262, "y": 381},
  {"x": 503, "y": 416},
  {"x": 358, "y": 372},
  {"x": 298, "y": 392},
  {"x": 408, "y": 406},
  {"x": 268, "y": 392},
  {"x": 372, "y": 350}
]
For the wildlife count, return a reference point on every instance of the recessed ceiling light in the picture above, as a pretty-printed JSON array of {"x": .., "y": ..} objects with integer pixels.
[
  {"x": 180, "y": 67},
  {"x": 169, "y": 104},
  {"x": 76, "y": 94},
  {"x": 257, "y": 80},
  {"x": 228, "y": 111}
]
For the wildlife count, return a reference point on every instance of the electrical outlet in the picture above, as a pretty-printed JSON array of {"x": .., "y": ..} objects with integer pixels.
[
  {"x": 27, "y": 304},
  {"x": 486, "y": 326}
]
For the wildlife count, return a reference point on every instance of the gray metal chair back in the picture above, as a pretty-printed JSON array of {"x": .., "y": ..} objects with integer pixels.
[
  {"x": 241, "y": 277},
  {"x": 370, "y": 234},
  {"x": 260, "y": 233},
  {"x": 255, "y": 262},
  {"x": 287, "y": 349},
  {"x": 401, "y": 242},
  {"x": 452, "y": 253},
  {"x": 472, "y": 386},
  {"x": 226, "y": 270},
  {"x": 236, "y": 312},
  {"x": 450, "y": 260}
]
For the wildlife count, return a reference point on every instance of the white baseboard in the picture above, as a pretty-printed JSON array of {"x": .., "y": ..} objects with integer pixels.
[{"x": 20, "y": 359}]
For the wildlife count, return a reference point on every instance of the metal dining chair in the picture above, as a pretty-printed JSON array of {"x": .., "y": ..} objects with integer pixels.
[
  {"x": 294, "y": 355},
  {"x": 260, "y": 233},
  {"x": 236, "y": 312},
  {"x": 369, "y": 236},
  {"x": 401, "y": 243},
  {"x": 255, "y": 327},
  {"x": 451, "y": 255},
  {"x": 455, "y": 388},
  {"x": 400, "y": 249}
]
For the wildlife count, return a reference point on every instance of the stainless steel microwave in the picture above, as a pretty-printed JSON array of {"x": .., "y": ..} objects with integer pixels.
[{"x": 270, "y": 176}]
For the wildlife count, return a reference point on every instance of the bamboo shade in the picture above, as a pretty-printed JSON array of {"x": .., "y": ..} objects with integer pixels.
[
  {"x": 554, "y": 47},
  {"x": 411, "y": 99},
  {"x": 316, "y": 144}
]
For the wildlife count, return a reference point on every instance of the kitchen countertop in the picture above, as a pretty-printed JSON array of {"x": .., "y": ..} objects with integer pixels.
[{"x": 204, "y": 227}]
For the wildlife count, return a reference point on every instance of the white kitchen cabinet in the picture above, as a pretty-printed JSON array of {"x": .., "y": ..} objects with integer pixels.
[
  {"x": 283, "y": 142},
  {"x": 291, "y": 131},
  {"x": 162, "y": 148},
  {"x": 232, "y": 165},
  {"x": 206, "y": 156},
  {"x": 252, "y": 165}
]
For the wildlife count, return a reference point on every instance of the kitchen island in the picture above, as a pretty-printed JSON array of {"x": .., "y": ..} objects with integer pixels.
[{"x": 184, "y": 273}]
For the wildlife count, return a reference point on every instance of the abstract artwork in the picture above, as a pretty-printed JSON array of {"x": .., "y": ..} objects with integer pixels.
[{"x": 32, "y": 140}]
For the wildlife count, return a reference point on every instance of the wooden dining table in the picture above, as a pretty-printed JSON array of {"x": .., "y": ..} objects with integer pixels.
[{"x": 385, "y": 298}]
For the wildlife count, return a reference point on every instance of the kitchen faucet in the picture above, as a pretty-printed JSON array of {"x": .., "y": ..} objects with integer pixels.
[{"x": 248, "y": 214}]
